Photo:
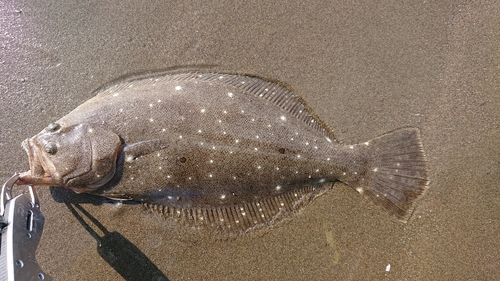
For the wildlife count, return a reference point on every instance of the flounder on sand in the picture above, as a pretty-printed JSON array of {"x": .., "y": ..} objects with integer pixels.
[{"x": 229, "y": 153}]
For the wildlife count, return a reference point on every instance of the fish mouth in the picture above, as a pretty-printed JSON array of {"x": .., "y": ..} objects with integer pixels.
[{"x": 41, "y": 168}]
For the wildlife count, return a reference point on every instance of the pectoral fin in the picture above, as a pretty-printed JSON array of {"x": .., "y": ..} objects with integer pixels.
[
  {"x": 117, "y": 196},
  {"x": 136, "y": 150}
]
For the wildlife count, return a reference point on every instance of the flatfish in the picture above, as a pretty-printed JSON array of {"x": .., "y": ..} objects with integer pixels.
[{"x": 224, "y": 152}]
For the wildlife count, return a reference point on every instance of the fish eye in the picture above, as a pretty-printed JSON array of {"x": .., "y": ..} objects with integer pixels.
[
  {"x": 51, "y": 148},
  {"x": 52, "y": 127}
]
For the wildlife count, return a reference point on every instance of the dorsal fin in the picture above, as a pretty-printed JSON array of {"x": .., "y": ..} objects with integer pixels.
[
  {"x": 273, "y": 91},
  {"x": 278, "y": 94}
]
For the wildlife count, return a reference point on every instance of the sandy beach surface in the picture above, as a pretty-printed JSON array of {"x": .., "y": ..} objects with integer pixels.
[{"x": 365, "y": 68}]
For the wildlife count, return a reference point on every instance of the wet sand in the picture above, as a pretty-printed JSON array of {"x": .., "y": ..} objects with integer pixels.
[{"x": 366, "y": 69}]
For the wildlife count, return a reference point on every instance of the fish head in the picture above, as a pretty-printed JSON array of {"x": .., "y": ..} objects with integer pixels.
[{"x": 78, "y": 157}]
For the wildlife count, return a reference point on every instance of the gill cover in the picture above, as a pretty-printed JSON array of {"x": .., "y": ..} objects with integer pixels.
[{"x": 79, "y": 157}]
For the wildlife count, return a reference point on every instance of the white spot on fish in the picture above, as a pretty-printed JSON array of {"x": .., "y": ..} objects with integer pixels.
[
  {"x": 203, "y": 110},
  {"x": 256, "y": 149},
  {"x": 199, "y": 131},
  {"x": 236, "y": 141},
  {"x": 121, "y": 109},
  {"x": 230, "y": 95},
  {"x": 210, "y": 175},
  {"x": 375, "y": 169},
  {"x": 223, "y": 196},
  {"x": 90, "y": 130},
  {"x": 150, "y": 105},
  {"x": 367, "y": 143},
  {"x": 180, "y": 137},
  {"x": 258, "y": 167},
  {"x": 178, "y": 88},
  {"x": 328, "y": 139},
  {"x": 278, "y": 187},
  {"x": 283, "y": 118},
  {"x": 225, "y": 111},
  {"x": 211, "y": 161},
  {"x": 158, "y": 101},
  {"x": 328, "y": 159},
  {"x": 151, "y": 120},
  {"x": 115, "y": 94},
  {"x": 388, "y": 268},
  {"x": 351, "y": 146},
  {"x": 168, "y": 176}
]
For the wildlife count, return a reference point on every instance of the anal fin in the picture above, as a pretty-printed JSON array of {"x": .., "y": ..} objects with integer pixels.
[{"x": 245, "y": 217}]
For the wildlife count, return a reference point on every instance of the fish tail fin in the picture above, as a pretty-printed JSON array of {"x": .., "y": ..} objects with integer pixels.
[{"x": 396, "y": 174}]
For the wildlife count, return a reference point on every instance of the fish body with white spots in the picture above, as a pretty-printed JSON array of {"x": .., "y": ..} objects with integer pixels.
[{"x": 225, "y": 152}]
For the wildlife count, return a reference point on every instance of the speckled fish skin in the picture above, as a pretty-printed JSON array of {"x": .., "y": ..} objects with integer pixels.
[{"x": 226, "y": 152}]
